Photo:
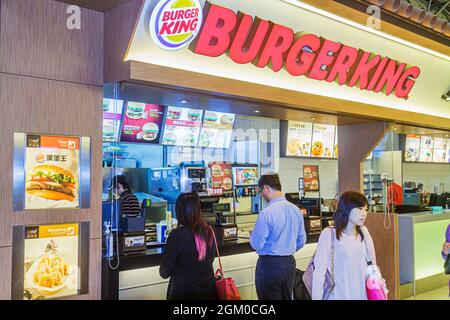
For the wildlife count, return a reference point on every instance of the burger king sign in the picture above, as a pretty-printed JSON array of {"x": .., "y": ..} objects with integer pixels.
[{"x": 175, "y": 23}]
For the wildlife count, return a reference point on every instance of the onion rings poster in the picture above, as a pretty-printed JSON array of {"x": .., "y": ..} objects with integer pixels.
[
  {"x": 51, "y": 261},
  {"x": 51, "y": 172}
]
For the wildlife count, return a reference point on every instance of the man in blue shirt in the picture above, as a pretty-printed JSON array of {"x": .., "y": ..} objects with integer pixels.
[{"x": 279, "y": 232}]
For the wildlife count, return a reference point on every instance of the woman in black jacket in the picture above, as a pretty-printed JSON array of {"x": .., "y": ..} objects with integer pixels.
[{"x": 189, "y": 254}]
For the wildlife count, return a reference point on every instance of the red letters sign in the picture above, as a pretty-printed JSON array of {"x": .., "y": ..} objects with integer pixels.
[{"x": 266, "y": 44}]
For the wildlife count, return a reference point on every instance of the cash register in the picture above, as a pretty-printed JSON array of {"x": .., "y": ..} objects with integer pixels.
[{"x": 218, "y": 214}]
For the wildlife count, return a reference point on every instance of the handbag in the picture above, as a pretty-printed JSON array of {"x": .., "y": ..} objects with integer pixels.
[
  {"x": 447, "y": 265},
  {"x": 329, "y": 284},
  {"x": 375, "y": 284},
  {"x": 225, "y": 287}
]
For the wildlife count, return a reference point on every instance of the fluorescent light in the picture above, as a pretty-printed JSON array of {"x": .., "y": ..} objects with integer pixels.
[{"x": 371, "y": 30}]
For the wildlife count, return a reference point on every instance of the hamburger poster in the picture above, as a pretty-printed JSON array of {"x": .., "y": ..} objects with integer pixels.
[
  {"x": 182, "y": 127},
  {"x": 217, "y": 130},
  {"x": 142, "y": 122},
  {"x": 221, "y": 177},
  {"x": 311, "y": 178},
  {"x": 323, "y": 141},
  {"x": 52, "y": 171}
]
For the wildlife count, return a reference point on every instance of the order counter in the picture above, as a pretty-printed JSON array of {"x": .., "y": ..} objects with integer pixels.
[
  {"x": 420, "y": 243},
  {"x": 137, "y": 277}
]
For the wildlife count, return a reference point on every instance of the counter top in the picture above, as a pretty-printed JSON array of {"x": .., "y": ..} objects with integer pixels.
[{"x": 426, "y": 216}]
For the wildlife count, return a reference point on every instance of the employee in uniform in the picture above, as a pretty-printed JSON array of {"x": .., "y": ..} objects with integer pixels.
[
  {"x": 279, "y": 232},
  {"x": 130, "y": 203},
  {"x": 394, "y": 192}
]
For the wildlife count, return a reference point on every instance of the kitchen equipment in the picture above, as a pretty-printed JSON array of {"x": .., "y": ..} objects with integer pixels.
[
  {"x": 193, "y": 177},
  {"x": 132, "y": 243},
  {"x": 225, "y": 231}
]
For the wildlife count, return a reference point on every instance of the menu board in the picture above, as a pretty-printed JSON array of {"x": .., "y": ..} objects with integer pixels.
[
  {"x": 217, "y": 130},
  {"x": 112, "y": 115},
  {"x": 142, "y": 122},
  {"x": 448, "y": 151},
  {"x": 311, "y": 178},
  {"x": 299, "y": 138},
  {"x": 182, "y": 127},
  {"x": 51, "y": 263},
  {"x": 221, "y": 177},
  {"x": 439, "y": 150},
  {"x": 426, "y": 149},
  {"x": 246, "y": 176},
  {"x": 336, "y": 149},
  {"x": 52, "y": 172},
  {"x": 323, "y": 140},
  {"x": 412, "y": 147}
]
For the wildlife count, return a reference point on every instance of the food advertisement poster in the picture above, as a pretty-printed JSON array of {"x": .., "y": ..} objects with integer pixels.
[
  {"x": 182, "y": 127},
  {"x": 221, "y": 177},
  {"x": 311, "y": 178},
  {"x": 246, "y": 176},
  {"x": 412, "y": 148},
  {"x": 52, "y": 172},
  {"x": 217, "y": 130},
  {"x": 51, "y": 263},
  {"x": 323, "y": 141},
  {"x": 439, "y": 150},
  {"x": 112, "y": 115},
  {"x": 426, "y": 149},
  {"x": 142, "y": 122},
  {"x": 336, "y": 149},
  {"x": 448, "y": 150},
  {"x": 299, "y": 139}
]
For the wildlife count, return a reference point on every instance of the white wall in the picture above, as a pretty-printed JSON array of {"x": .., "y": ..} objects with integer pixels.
[{"x": 430, "y": 174}]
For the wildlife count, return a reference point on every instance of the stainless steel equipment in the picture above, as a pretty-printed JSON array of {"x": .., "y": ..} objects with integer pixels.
[{"x": 193, "y": 177}]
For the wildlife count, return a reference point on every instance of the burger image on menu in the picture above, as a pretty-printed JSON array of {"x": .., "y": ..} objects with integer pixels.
[
  {"x": 194, "y": 115},
  {"x": 225, "y": 119},
  {"x": 135, "y": 111},
  {"x": 108, "y": 132},
  {"x": 150, "y": 131},
  {"x": 227, "y": 184},
  {"x": 307, "y": 173},
  {"x": 52, "y": 182},
  {"x": 317, "y": 149},
  {"x": 174, "y": 113},
  {"x": 216, "y": 171},
  {"x": 210, "y": 116},
  {"x": 170, "y": 138},
  {"x": 314, "y": 184}
]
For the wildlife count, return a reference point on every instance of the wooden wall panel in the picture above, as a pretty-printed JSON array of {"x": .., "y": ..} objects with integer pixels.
[
  {"x": 119, "y": 27},
  {"x": 35, "y": 41},
  {"x": 355, "y": 143},
  {"x": 386, "y": 248},
  {"x": 5, "y": 273},
  {"x": 44, "y": 106}
]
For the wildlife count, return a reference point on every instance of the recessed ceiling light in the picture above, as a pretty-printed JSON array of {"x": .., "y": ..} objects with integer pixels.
[
  {"x": 313, "y": 118},
  {"x": 256, "y": 111},
  {"x": 184, "y": 101}
]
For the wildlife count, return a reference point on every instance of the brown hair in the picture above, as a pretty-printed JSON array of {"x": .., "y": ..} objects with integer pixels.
[
  {"x": 347, "y": 202},
  {"x": 271, "y": 180},
  {"x": 189, "y": 214}
]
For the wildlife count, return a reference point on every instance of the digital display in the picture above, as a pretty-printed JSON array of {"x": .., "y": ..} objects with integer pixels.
[
  {"x": 217, "y": 130},
  {"x": 112, "y": 116},
  {"x": 142, "y": 122},
  {"x": 323, "y": 141},
  {"x": 412, "y": 148},
  {"x": 245, "y": 176},
  {"x": 427, "y": 149},
  {"x": 182, "y": 127},
  {"x": 439, "y": 150},
  {"x": 299, "y": 138}
]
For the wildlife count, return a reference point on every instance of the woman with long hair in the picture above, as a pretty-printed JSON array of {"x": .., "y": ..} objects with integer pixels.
[
  {"x": 344, "y": 251},
  {"x": 189, "y": 254}
]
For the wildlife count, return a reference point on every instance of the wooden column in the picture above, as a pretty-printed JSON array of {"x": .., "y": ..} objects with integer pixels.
[{"x": 51, "y": 81}]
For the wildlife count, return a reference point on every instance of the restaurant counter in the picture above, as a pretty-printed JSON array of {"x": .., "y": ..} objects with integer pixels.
[
  {"x": 420, "y": 238},
  {"x": 137, "y": 277}
]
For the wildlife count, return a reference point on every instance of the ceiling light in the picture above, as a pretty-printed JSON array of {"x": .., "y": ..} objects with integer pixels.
[
  {"x": 256, "y": 111},
  {"x": 184, "y": 101}
]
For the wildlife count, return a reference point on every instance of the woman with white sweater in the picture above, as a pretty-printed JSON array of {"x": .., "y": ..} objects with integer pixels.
[{"x": 344, "y": 251}]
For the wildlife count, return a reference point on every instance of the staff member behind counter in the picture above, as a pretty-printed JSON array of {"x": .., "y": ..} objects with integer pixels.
[
  {"x": 394, "y": 192},
  {"x": 130, "y": 203}
]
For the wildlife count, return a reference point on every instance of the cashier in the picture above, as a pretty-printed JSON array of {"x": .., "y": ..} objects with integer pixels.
[
  {"x": 394, "y": 192},
  {"x": 130, "y": 203}
]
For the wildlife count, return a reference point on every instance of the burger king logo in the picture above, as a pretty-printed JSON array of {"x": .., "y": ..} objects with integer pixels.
[{"x": 175, "y": 23}]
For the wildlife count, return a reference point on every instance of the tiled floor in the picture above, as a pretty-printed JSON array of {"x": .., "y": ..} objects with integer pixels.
[{"x": 438, "y": 294}]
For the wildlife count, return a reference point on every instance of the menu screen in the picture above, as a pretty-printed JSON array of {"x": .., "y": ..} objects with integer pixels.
[
  {"x": 426, "y": 149},
  {"x": 112, "y": 114},
  {"x": 448, "y": 151},
  {"x": 323, "y": 140},
  {"x": 182, "y": 127},
  {"x": 52, "y": 172},
  {"x": 311, "y": 178},
  {"x": 412, "y": 148},
  {"x": 336, "y": 149},
  {"x": 299, "y": 138},
  {"x": 221, "y": 177},
  {"x": 246, "y": 176},
  {"x": 217, "y": 130},
  {"x": 142, "y": 122},
  {"x": 51, "y": 265},
  {"x": 439, "y": 150}
]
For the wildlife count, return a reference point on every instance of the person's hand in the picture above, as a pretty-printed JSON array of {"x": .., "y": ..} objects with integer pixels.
[{"x": 446, "y": 248}]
